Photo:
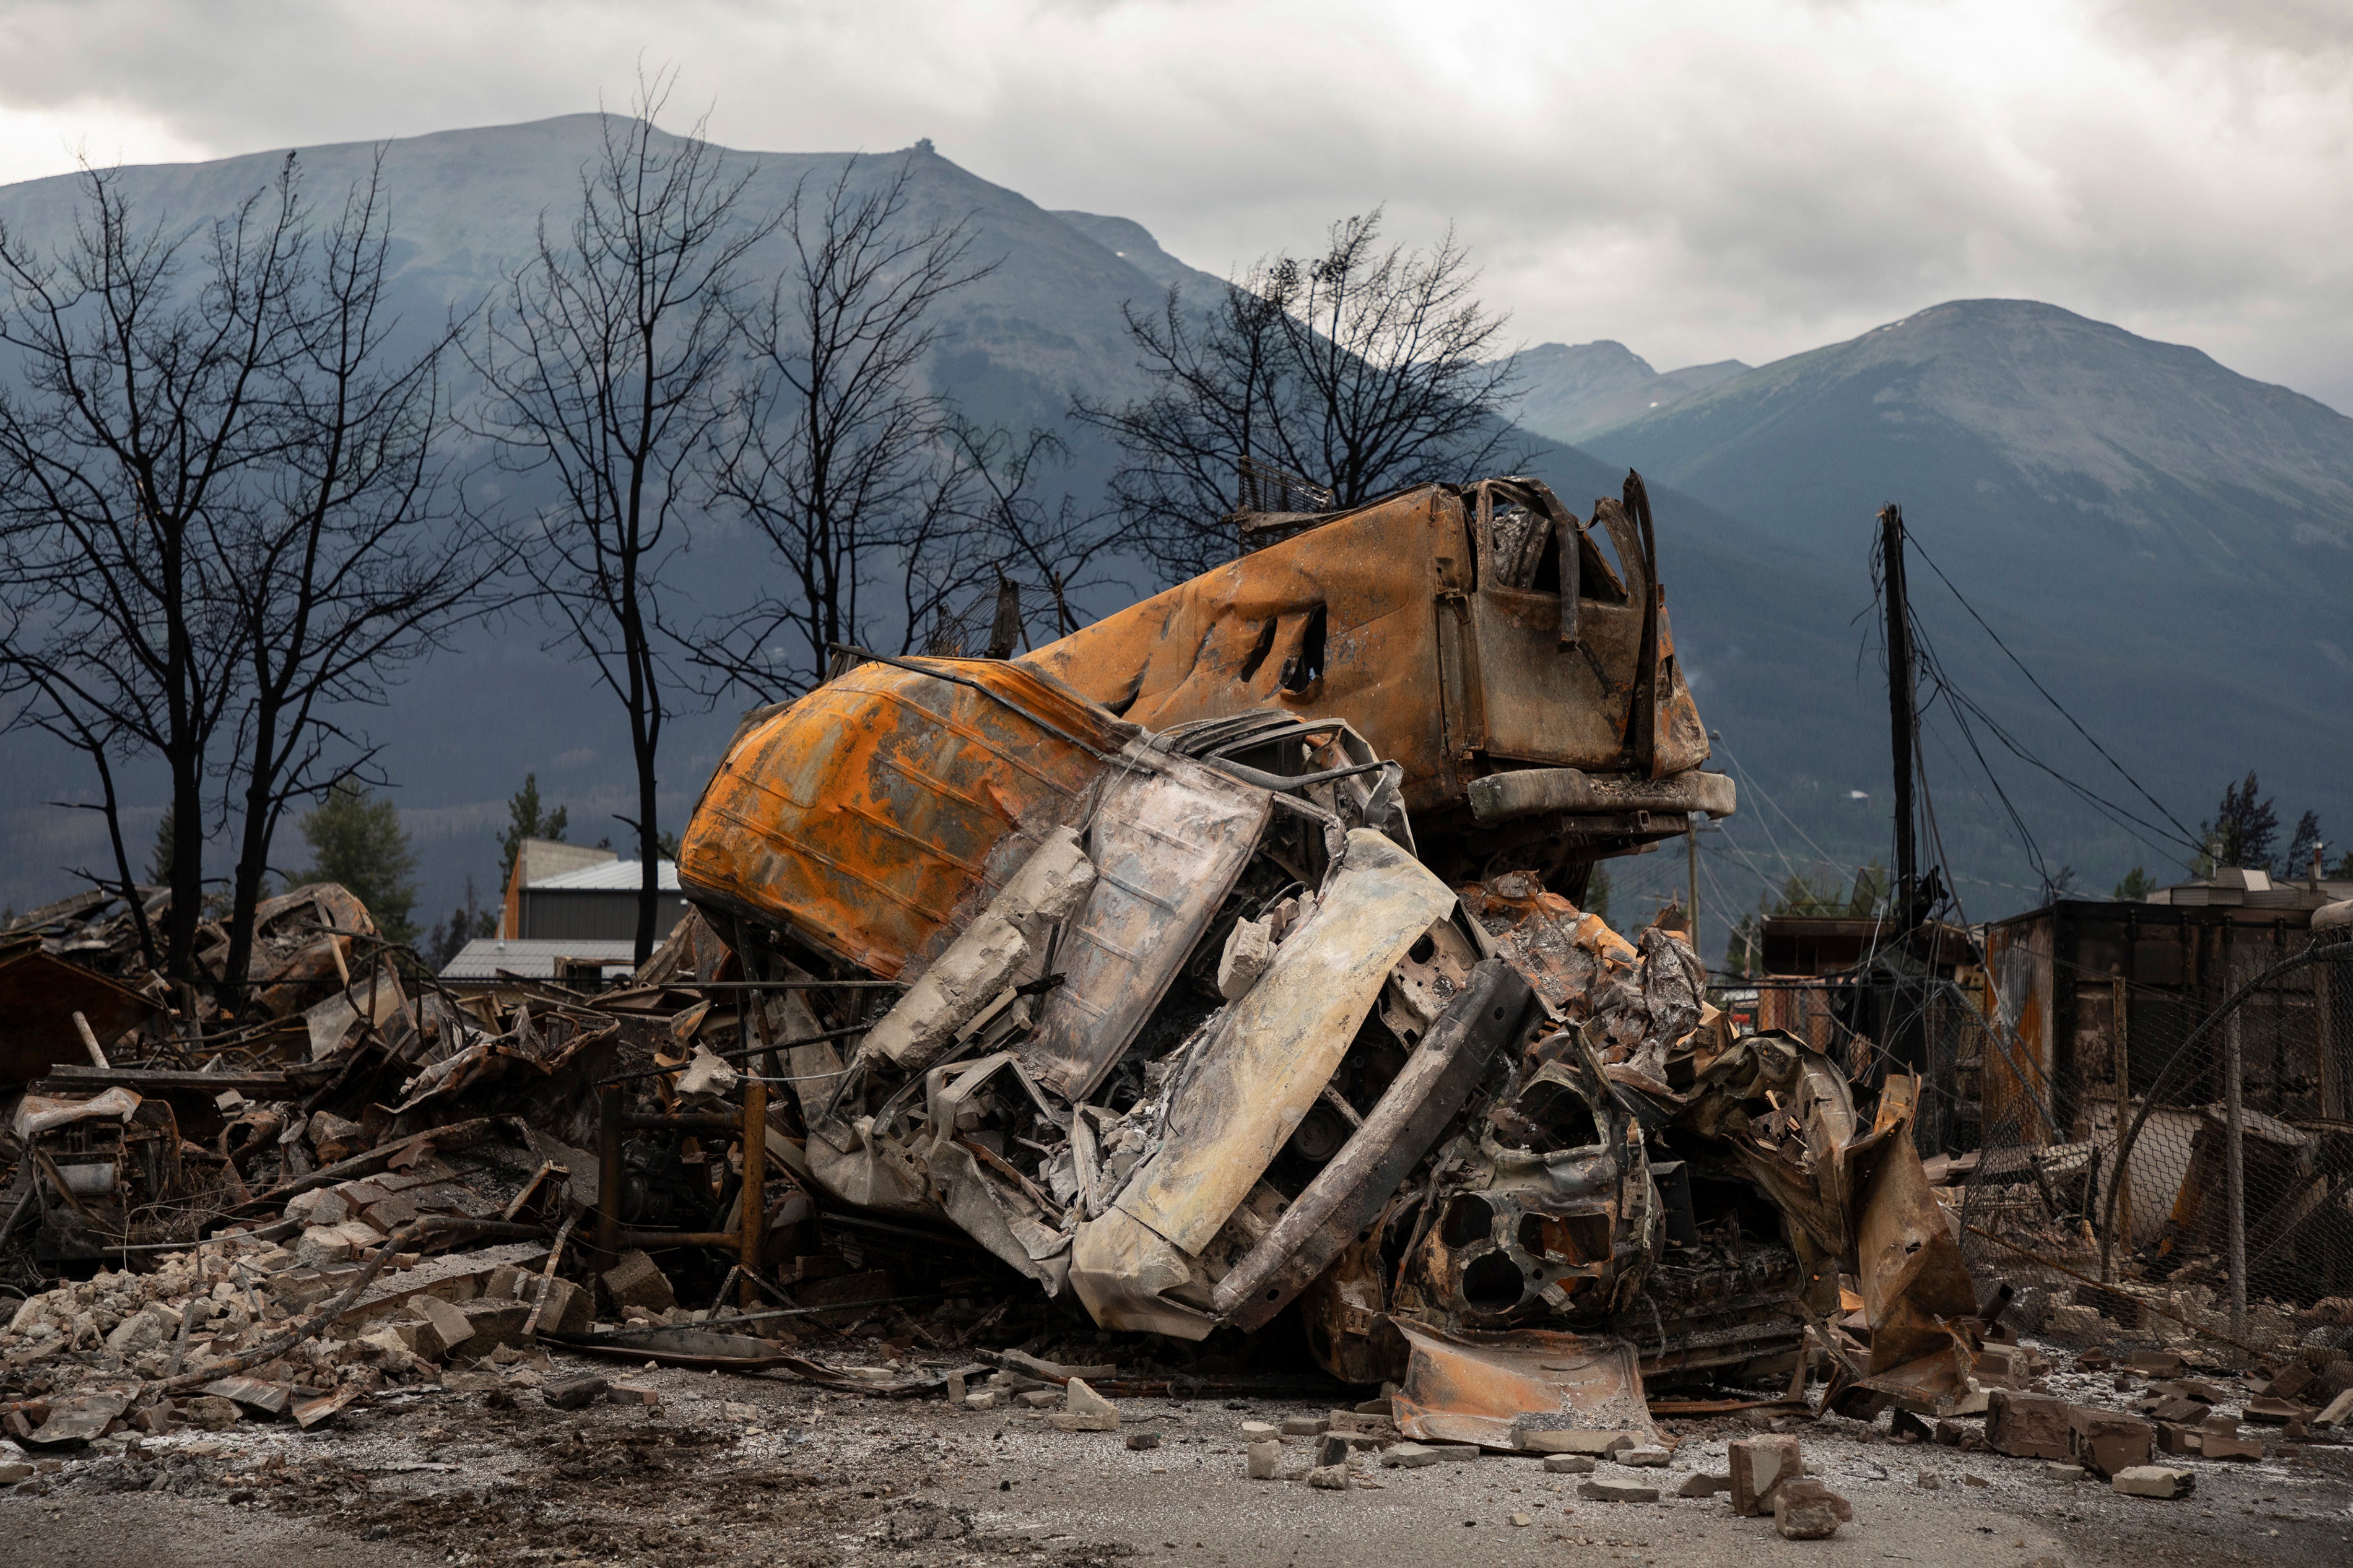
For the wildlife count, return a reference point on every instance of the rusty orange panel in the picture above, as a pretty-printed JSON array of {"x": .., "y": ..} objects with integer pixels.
[
  {"x": 1434, "y": 663},
  {"x": 873, "y": 816},
  {"x": 1221, "y": 643}
]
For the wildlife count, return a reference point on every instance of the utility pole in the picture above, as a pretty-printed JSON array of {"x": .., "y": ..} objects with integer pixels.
[
  {"x": 1901, "y": 717},
  {"x": 1690, "y": 842}
]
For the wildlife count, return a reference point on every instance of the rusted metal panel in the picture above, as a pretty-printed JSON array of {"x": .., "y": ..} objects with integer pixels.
[
  {"x": 1433, "y": 658},
  {"x": 876, "y": 814},
  {"x": 39, "y": 994},
  {"x": 1279, "y": 1044},
  {"x": 1915, "y": 1285},
  {"x": 1166, "y": 846},
  {"x": 2017, "y": 1073},
  {"x": 1223, "y": 642},
  {"x": 1500, "y": 1390}
]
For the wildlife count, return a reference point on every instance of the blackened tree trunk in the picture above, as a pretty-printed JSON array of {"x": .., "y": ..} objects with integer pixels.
[{"x": 606, "y": 368}]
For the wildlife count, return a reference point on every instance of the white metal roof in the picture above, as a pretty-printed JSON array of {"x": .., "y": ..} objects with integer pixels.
[
  {"x": 611, "y": 876},
  {"x": 531, "y": 958}
]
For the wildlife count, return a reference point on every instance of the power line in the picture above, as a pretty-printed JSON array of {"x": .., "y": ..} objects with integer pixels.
[{"x": 2187, "y": 835}]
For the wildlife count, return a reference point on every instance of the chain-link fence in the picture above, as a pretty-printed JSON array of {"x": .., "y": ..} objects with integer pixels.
[{"x": 2169, "y": 1160}]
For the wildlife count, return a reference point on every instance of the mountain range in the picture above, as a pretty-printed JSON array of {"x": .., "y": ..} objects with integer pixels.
[{"x": 2167, "y": 546}]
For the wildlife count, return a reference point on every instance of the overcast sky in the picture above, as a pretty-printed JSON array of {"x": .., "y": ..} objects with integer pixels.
[{"x": 1700, "y": 180}]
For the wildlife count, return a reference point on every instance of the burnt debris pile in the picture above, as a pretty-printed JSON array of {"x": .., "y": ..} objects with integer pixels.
[{"x": 1216, "y": 974}]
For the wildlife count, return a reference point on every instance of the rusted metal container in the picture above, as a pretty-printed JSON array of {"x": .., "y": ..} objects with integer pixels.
[
  {"x": 874, "y": 816},
  {"x": 1441, "y": 624}
]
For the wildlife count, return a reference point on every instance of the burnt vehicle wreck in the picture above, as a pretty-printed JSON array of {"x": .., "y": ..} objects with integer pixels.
[{"x": 1240, "y": 968}]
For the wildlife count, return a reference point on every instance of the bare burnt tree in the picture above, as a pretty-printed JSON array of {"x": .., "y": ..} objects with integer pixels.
[
  {"x": 350, "y": 554},
  {"x": 134, "y": 417},
  {"x": 605, "y": 370},
  {"x": 834, "y": 452},
  {"x": 1361, "y": 369},
  {"x": 44, "y": 701}
]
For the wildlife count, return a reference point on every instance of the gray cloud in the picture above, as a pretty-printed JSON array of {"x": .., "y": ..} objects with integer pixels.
[{"x": 1745, "y": 178}]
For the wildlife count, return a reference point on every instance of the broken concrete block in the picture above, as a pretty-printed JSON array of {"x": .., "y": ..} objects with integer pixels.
[
  {"x": 1599, "y": 1490},
  {"x": 1084, "y": 1410},
  {"x": 1642, "y": 1458},
  {"x": 1568, "y": 1464},
  {"x": 2106, "y": 1443},
  {"x": 1039, "y": 1398},
  {"x": 2289, "y": 1381},
  {"x": 983, "y": 1399},
  {"x": 1409, "y": 1456},
  {"x": 567, "y": 1310},
  {"x": 632, "y": 1393},
  {"x": 323, "y": 1207},
  {"x": 1331, "y": 1449},
  {"x": 636, "y": 1280},
  {"x": 322, "y": 1245},
  {"x": 573, "y": 1393},
  {"x": 1602, "y": 1443},
  {"x": 2065, "y": 1472},
  {"x": 1929, "y": 1481},
  {"x": 2174, "y": 1438},
  {"x": 2156, "y": 1364},
  {"x": 1249, "y": 949},
  {"x": 448, "y": 1322},
  {"x": 1306, "y": 1425},
  {"x": 1264, "y": 1461},
  {"x": 2154, "y": 1482},
  {"x": 2220, "y": 1438},
  {"x": 2028, "y": 1425},
  {"x": 144, "y": 1329},
  {"x": 1805, "y": 1510},
  {"x": 1697, "y": 1484},
  {"x": 1455, "y": 1453},
  {"x": 737, "y": 1411},
  {"x": 13, "y": 1472},
  {"x": 387, "y": 1348},
  {"x": 1142, "y": 1442},
  {"x": 1331, "y": 1477},
  {"x": 2272, "y": 1410},
  {"x": 1758, "y": 1465},
  {"x": 2339, "y": 1412}
]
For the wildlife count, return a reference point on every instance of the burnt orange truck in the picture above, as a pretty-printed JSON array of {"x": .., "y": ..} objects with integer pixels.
[{"x": 1480, "y": 635}]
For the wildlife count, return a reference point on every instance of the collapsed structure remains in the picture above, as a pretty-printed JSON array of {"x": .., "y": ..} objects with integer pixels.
[{"x": 1218, "y": 967}]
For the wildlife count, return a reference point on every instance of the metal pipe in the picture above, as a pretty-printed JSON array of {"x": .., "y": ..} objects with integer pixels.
[
  {"x": 610, "y": 1122},
  {"x": 780, "y": 985},
  {"x": 89, "y": 1043},
  {"x": 2120, "y": 1178},
  {"x": 755, "y": 1195},
  {"x": 2234, "y": 1165},
  {"x": 649, "y": 1240},
  {"x": 684, "y": 1122}
]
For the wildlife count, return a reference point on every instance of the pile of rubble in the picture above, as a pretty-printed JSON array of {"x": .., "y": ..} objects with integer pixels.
[{"x": 1215, "y": 976}]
